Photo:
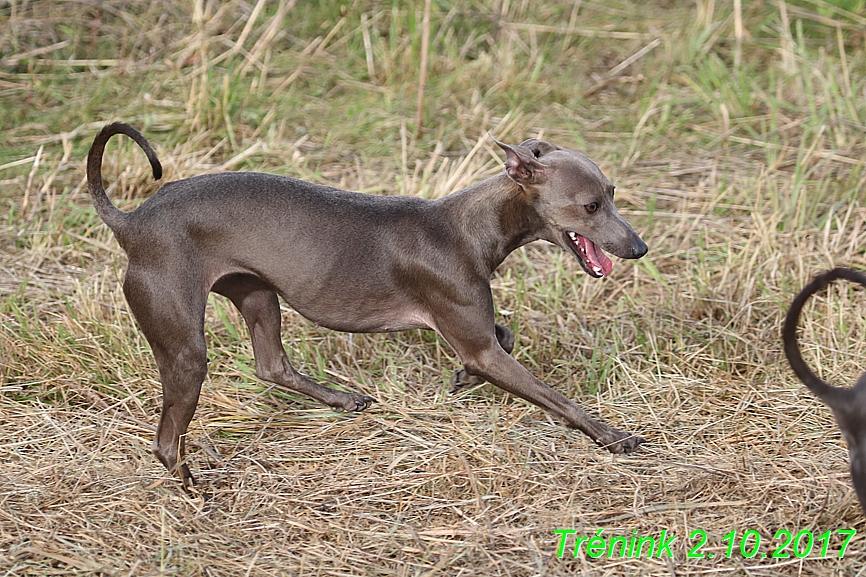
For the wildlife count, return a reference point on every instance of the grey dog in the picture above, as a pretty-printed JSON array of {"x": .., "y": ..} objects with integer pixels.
[
  {"x": 848, "y": 404},
  {"x": 352, "y": 262}
]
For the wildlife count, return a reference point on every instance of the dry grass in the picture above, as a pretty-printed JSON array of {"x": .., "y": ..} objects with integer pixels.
[{"x": 735, "y": 137}]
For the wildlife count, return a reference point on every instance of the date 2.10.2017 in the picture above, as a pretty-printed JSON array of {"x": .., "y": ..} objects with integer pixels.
[{"x": 785, "y": 544}]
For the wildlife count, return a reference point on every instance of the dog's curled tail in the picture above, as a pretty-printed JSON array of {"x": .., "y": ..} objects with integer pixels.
[
  {"x": 831, "y": 395},
  {"x": 110, "y": 214}
]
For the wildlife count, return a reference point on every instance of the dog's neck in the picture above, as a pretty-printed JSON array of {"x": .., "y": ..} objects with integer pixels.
[{"x": 497, "y": 215}]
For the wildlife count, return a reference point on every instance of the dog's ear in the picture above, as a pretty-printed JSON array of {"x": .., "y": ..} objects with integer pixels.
[
  {"x": 539, "y": 147},
  {"x": 521, "y": 164}
]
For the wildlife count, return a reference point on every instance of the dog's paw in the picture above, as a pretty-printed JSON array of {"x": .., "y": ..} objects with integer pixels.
[
  {"x": 505, "y": 338},
  {"x": 618, "y": 442},
  {"x": 354, "y": 402},
  {"x": 461, "y": 379},
  {"x": 190, "y": 485}
]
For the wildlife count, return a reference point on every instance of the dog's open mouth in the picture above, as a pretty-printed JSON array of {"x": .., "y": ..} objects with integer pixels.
[{"x": 591, "y": 257}]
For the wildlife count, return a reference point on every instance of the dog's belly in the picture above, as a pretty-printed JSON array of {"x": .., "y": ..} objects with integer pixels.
[
  {"x": 356, "y": 318},
  {"x": 355, "y": 303}
]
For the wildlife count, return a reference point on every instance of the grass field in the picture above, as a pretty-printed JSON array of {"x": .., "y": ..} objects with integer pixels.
[{"x": 734, "y": 132}]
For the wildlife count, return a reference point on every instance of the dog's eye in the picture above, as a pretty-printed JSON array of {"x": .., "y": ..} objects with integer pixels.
[{"x": 591, "y": 207}]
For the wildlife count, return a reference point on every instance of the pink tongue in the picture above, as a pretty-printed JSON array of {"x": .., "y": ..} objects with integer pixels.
[{"x": 595, "y": 257}]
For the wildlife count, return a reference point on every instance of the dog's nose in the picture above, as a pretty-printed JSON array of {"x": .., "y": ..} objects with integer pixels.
[{"x": 639, "y": 248}]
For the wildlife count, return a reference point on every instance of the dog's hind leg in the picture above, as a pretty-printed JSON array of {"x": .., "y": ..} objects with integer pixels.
[
  {"x": 173, "y": 323},
  {"x": 259, "y": 306}
]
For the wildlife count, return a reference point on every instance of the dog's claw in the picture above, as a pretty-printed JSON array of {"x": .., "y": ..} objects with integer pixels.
[{"x": 364, "y": 403}]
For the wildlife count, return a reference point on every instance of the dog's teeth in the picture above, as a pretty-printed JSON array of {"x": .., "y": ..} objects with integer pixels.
[
  {"x": 572, "y": 236},
  {"x": 596, "y": 269}
]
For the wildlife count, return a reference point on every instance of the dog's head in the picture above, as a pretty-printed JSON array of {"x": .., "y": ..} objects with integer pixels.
[{"x": 575, "y": 200}]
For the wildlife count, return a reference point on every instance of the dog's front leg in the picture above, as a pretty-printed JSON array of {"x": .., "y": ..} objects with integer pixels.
[
  {"x": 483, "y": 357},
  {"x": 506, "y": 373}
]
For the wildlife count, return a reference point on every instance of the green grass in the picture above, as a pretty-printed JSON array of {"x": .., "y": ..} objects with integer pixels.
[{"x": 737, "y": 153}]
